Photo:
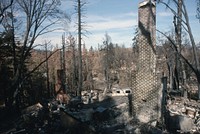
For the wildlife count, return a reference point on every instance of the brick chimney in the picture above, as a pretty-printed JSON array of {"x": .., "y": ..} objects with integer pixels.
[{"x": 145, "y": 91}]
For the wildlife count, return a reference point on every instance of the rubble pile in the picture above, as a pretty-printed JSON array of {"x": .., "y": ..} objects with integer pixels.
[
  {"x": 108, "y": 116},
  {"x": 182, "y": 115},
  {"x": 38, "y": 118},
  {"x": 111, "y": 115}
]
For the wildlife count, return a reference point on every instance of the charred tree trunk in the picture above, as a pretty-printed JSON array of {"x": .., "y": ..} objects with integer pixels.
[
  {"x": 80, "y": 82},
  {"x": 197, "y": 66},
  {"x": 63, "y": 64},
  {"x": 47, "y": 71}
]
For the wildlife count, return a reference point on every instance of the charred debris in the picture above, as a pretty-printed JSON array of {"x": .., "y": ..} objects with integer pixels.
[{"x": 99, "y": 113}]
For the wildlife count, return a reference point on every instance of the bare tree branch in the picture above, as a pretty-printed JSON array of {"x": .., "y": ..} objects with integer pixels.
[
  {"x": 176, "y": 50},
  {"x": 3, "y": 9},
  {"x": 198, "y": 10}
]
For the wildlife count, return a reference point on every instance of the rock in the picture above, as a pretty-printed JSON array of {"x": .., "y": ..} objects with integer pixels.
[
  {"x": 179, "y": 123},
  {"x": 186, "y": 124},
  {"x": 32, "y": 109},
  {"x": 144, "y": 116},
  {"x": 153, "y": 123},
  {"x": 137, "y": 131}
]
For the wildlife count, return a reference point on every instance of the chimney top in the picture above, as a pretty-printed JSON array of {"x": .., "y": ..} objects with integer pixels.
[{"x": 146, "y": 2}]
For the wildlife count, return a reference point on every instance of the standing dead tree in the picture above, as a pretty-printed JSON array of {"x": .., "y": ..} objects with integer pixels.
[
  {"x": 80, "y": 85},
  {"x": 73, "y": 74},
  {"x": 107, "y": 60},
  {"x": 80, "y": 4},
  {"x": 184, "y": 19},
  {"x": 37, "y": 18}
]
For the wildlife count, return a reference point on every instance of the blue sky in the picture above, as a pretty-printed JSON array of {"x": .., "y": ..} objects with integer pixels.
[{"x": 119, "y": 19}]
